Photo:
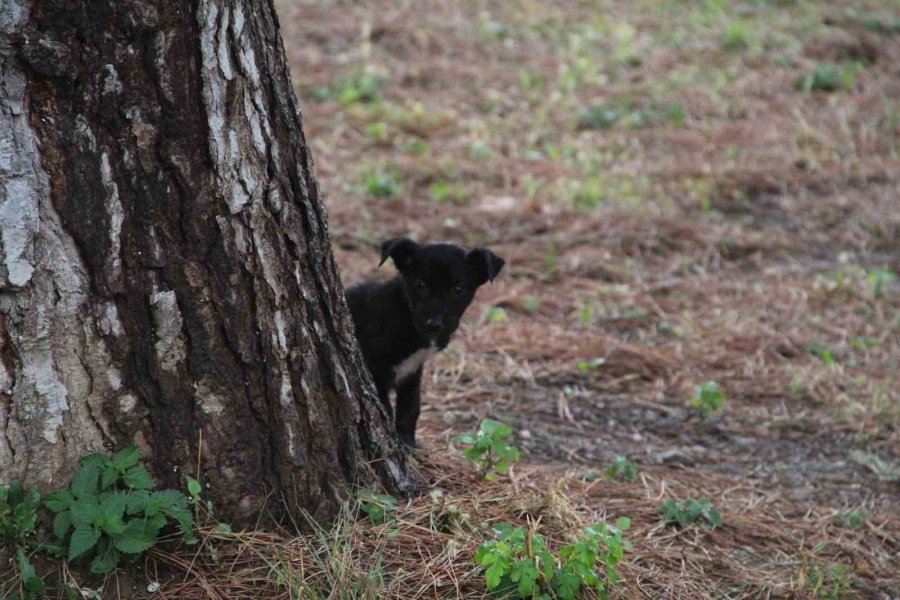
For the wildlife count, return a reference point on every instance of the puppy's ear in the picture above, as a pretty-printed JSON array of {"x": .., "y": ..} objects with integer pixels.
[
  {"x": 400, "y": 249},
  {"x": 485, "y": 263}
]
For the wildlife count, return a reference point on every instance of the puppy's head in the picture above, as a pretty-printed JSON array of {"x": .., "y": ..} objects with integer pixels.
[{"x": 440, "y": 281}]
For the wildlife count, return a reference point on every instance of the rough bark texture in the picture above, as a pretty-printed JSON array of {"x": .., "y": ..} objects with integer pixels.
[{"x": 165, "y": 269}]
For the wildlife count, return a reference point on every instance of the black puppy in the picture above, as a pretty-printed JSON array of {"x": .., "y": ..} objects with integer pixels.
[{"x": 403, "y": 322}]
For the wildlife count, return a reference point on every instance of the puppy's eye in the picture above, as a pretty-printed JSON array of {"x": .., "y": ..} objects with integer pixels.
[
  {"x": 421, "y": 285},
  {"x": 459, "y": 290}
]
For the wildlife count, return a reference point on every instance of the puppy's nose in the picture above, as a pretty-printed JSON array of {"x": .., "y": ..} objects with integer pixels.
[{"x": 433, "y": 325}]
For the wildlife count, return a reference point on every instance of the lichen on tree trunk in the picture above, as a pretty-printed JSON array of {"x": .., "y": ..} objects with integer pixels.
[{"x": 166, "y": 268}]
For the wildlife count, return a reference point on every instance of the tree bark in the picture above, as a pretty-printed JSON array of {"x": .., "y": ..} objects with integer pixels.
[{"x": 165, "y": 270}]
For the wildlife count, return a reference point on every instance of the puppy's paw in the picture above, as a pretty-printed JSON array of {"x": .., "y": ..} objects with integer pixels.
[{"x": 409, "y": 440}]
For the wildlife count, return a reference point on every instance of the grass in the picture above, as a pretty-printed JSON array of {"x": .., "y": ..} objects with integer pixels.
[{"x": 355, "y": 558}]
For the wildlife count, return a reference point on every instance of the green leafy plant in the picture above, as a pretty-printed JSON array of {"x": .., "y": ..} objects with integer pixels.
[
  {"x": 820, "y": 352},
  {"x": 699, "y": 511},
  {"x": 737, "y": 35},
  {"x": 599, "y": 116},
  {"x": 828, "y": 582},
  {"x": 590, "y": 192},
  {"x": 708, "y": 399},
  {"x": 377, "y": 507},
  {"x": 449, "y": 193},
  {"x": 852, "y": 519},
  {"x": 830, "y": 77},
  {"x": 586, "y": 365},
  {"x": 496, "y": 314},
  {"x": 879, "y": 279},
  {"x": 111, "y": 510},
  {"x": 359, "y": 86},
  {"x": 377, "y": 132},
  {"x": 416, "y": 145},
  {"x": 18, "y": 517},
  {"x": 489, "y": 448},
  {"x": 622, "y": 468},
  {"x": 382, "y": 184},
  {"x": 531, "y": 304},
  {"x": 520, "y": 565},
  {"x": 480, "y": 150},
  {"x": 676, "y": 114}
]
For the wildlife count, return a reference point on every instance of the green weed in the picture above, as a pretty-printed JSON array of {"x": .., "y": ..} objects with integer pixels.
[
  {"x": 590, "y": 193},
  {"x": 110, "y": 510},
  {"x": 599, "y": 116},
  {"x": 708, "y": 399},
  {"x": 852, "y": 519},
  {"x": 821, "y": 352},
  {"x": 676, "y": 114},
  {"x": 18, "y": 518},
  {"x": 586, "y": 365},
  {"x": 381, "y": 184},
  {"x": 359, "y": 86},
  {"x": 496, "y": 314},
  {"x": 622, "y": 468},
  {"x": 738, "y": 35},
  {"x": 828, "y": 582},
  {"x": 416, "y": 145},
  {"x": 377, "y": 507},
  {"x": 377, "y": 132},
  {"x": 830, "y": 77},
  {"x": 531, "y": 304},
  {"x": 879, "y": 279},
  {"x": 480, "y": 150},
  {"x": 489, "y": 448},
  {"x": 519, "y": 564},
  {"x": 700, "y": 512},
  {"x": 449, "y": 193}
]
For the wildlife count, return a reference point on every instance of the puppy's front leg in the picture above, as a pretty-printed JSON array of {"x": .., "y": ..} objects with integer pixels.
[
  {"x": 384, "y": 394},
  {"x": 408, "y": 401}
]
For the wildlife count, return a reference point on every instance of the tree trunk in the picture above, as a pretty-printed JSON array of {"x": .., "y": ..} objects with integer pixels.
[{"x": 165, "y": 270}]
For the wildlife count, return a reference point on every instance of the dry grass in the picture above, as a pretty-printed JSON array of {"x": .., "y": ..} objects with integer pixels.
[{"x": 769, "y": 546}]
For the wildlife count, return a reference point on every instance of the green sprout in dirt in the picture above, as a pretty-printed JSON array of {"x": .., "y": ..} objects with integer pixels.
[
  {"x": 18, "y": 517},
  {"x": 416, "y": 145},
  {"x": 382, "y": 184},
  {"x": 830, "y": 77},
  {"x": 852, "y": 519},
  {"x": 496, "y": 314},
  {"x": 360, "y": 86},
  {"x": 826, "y": 581},
  {"x": 480, "y": 150},
  {"x": 599, "y": 116},
  {"x": 879, "y": 279},
  {"x": 377, "y": 507},
  {"x": 519, "y": 564},
  {"x": 110, "y": 510},
  {"x": 449, "y": 193},
  {"x": 377, "y": 132},
  {"x": 708, "y": 399},
  {"x": 622, "y": 468},
  {"x": 738, "y": 35},
  {"x": 489, "y": 449},
  {"x": 820, "y": 352},
  {"x": 586, "y": 365},
  {"x": 700, "y": 512},
  {"x": 676, "y": 114},
  {"x": 531, "y": 304}
]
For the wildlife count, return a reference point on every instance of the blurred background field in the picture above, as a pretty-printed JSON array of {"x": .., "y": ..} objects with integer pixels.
[{"x": 699, "y": 204}]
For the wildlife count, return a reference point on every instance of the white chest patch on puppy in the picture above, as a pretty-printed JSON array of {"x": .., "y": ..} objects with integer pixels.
[{"x": 412, "y": 363}]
